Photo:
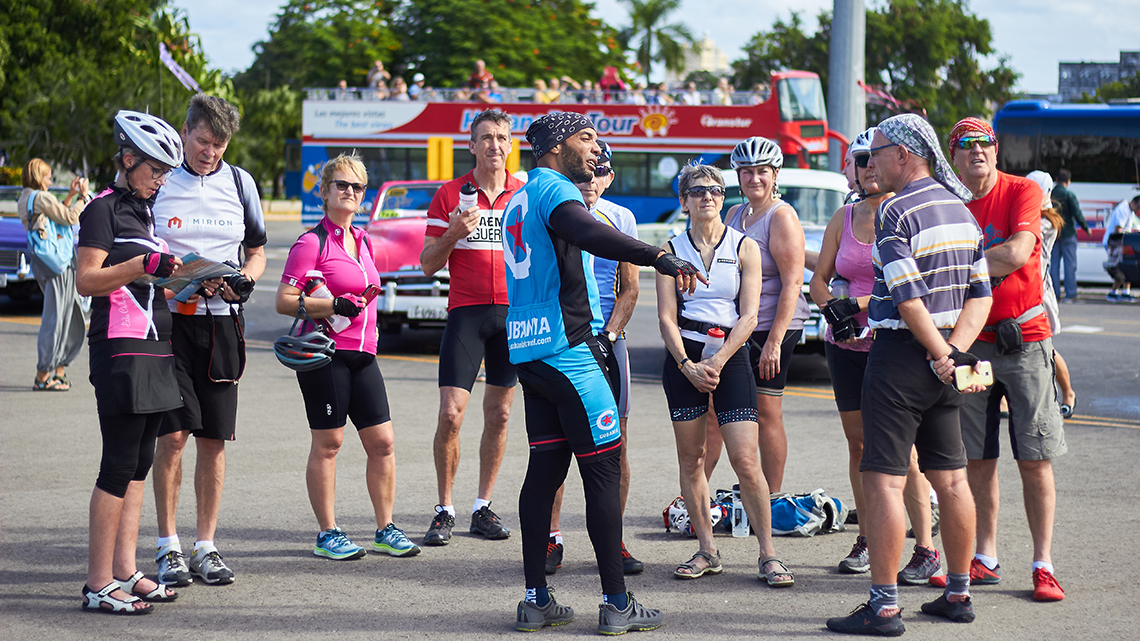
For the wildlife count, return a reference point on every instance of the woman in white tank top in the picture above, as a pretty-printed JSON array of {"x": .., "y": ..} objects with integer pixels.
[{"x": 730, "y": 300}]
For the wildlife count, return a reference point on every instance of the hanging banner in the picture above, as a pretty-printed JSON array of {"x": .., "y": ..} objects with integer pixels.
[{"x": 180, "y": 73}]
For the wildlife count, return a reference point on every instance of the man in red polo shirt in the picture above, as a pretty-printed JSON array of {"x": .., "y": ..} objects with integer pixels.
[
  {"x": 469, "y": 241},
  {"x": 1017, "y": 339}
]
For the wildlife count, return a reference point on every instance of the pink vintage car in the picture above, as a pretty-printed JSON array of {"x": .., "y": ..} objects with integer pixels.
[{"x": 396, "y": 228}]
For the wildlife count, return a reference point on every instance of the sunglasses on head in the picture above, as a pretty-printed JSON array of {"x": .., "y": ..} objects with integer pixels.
[
  {"x": 985, "y": 142},
  {"x": 602, "y": 171},
  {"x": 344, "y": 185},
  {"x": 700, "y": 190},
  {"x": 861, "y": 160}
]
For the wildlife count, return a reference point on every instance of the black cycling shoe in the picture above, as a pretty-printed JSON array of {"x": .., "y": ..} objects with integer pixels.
[
  {"x": 956, "y": 611},
  {"x": 863, "y": 620},
  {"x": 630, "y": 565},
  {"x": 440, "y": 531},
  {"x": 487, "y": 523},
  {"x": 553, "y": 557}
]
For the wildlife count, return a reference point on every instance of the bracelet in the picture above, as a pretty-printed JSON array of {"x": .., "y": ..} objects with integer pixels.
[{"x": 681, "y": 365}]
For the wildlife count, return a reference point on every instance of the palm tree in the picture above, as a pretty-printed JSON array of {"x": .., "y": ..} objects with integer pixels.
[{"x": 648, "y": 17}]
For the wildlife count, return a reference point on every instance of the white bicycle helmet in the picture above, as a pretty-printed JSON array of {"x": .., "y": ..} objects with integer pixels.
[
  {"x": 862, "y": 143},
  {"x": 756, "y": 152},
  {"x": 151, "y": 136}
]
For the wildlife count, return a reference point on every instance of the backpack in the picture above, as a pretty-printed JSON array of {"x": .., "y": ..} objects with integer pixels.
[
  {"x": 54, "y": 251},
  {"x": 807, "y": 514}
]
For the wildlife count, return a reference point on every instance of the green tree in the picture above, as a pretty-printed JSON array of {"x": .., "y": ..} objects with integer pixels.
[
  {"x": 655, "y": 40},
  {"x": 786, "y": 46},
  {"x": 271, "y": 116},
  {"x": 520, "y": 40},
  {"x": 924, "y": 52},
  {"x": 317, "y": 43},
  {"x": 72, "y": 64}
]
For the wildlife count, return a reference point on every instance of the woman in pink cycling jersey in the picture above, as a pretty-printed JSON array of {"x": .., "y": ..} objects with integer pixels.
[{"x": 351, "y": 385}]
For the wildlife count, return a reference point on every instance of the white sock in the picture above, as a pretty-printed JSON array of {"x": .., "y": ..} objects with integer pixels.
[
  {"x": 988, "y": 561},
  {"x": 1043, "y": 564},
  {"x": 479, "y": 504},
  {"x": 557, "y": 536},
  {"x": 450, "y": 509},
  {"x": 166, "y": 544},
  {"x": 208, "y": 546}
]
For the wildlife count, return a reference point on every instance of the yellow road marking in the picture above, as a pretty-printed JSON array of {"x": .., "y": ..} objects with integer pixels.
[
  {"x": 1100, "y": 421},
  {"x": 22, "y": 320}
]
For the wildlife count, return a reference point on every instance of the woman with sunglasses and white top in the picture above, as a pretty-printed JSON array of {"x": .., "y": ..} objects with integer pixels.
[
  {"x": 775, "y": 227},
  {"x": 351, "y": 385},
  {"x": 732, "y": 264}
]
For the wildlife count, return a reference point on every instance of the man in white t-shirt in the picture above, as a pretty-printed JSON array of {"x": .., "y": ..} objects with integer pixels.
[{"x": 210, "y": 208}]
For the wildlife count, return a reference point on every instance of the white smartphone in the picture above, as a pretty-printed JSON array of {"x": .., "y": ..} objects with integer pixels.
[{"x": 965, "y": 375}]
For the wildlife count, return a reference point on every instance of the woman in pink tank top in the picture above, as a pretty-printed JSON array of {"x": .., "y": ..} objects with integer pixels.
[{"x": 846, "y": 253}]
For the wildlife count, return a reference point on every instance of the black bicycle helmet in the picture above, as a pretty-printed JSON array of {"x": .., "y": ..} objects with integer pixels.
[{"x": 304, "y": 352}]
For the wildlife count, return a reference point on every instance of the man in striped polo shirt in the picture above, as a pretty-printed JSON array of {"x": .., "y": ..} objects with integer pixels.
[{"x": 930, "y": 300}]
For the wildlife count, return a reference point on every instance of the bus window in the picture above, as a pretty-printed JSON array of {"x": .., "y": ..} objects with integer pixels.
[
  {"x": 631, "y": 174},
  {"x": 801, "y": 99}
]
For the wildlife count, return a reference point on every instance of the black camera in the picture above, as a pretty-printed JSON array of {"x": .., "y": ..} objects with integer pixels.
[{"x": 241, "y": 284}]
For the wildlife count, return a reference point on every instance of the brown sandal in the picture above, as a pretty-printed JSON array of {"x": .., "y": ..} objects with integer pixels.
[
  {"x": 691, "y": 569},
  {"x": 782, "y": 570}
]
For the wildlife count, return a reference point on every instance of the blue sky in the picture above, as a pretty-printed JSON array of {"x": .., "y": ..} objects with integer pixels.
[{"x": 1035, "y": 34}]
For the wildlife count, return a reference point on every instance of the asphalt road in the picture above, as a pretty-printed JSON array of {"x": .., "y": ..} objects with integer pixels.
[{"x": 49, "y": 453}]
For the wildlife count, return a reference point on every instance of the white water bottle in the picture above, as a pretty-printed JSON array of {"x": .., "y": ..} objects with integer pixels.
[
  {"x": 315, "y": 287},
  {"x": 468, "y": 196},
  {"x": 713, "y": 342},
  {"x": 840, "y": 287},
  {"x": 740, "y": 525}
]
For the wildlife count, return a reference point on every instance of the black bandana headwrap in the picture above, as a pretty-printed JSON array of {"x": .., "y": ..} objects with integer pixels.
[{"x": 549, "y": 131}]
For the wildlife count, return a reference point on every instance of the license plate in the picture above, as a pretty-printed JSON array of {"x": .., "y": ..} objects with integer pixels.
[{"x": 428, "y": 313}]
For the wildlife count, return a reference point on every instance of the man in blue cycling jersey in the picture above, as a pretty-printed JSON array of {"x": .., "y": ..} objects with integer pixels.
[{"x": 552, "y": 326}]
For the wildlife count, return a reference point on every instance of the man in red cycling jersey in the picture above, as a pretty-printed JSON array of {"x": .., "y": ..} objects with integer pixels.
[{"x": 469, "y": 242}]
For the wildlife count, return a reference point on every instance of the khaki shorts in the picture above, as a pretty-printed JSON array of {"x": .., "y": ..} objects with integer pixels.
[{"x": 1026, "y": 380}]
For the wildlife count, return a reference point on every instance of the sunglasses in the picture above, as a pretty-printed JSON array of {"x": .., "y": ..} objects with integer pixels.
[
  {"x": 602, "y": 171},
  {"x": 343, "y": 185},
  {"x": 985, "y": 142},
  {"x": 700, "y": 191},
  {"x": 159, "y": 172},
  {"x": 861, "y": 160}
]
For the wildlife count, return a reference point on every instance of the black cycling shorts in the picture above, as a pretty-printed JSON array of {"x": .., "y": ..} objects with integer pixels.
[
  {"x": 847, "y": 369},
  {"x": 734, "y": 397},
  {"x": 209, "y": 409},
  {"x": 474, "y": 333},
  {"x": 349, "y": 387},
  {"x": 773, "y": 386}
]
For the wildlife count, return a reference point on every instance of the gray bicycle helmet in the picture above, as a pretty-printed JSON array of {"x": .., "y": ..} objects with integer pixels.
[
  {"x": 304, "y": 352},
  {"x": 756, "y": 152},
  {"x": 151, "y": 136}
]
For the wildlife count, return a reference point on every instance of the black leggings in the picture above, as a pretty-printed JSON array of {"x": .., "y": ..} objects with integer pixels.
[
  {"x": 128, "y": 450},
  {"x": 544, "y": 475}
]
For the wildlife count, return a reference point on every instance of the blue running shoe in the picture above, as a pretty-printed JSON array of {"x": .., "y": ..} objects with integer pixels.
[
  {"x": 334, "y": 544},
  {"x": 391, "y": 540}
]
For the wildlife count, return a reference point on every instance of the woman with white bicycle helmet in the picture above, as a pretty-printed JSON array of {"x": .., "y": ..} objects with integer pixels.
[
  {"x": 119, "y": 260},
  {"x": 846, "y": 254},
  {"x": 775, "y": 227}
]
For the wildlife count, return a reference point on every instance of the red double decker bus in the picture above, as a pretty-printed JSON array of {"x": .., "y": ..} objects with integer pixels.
[{"x": 650, "y": 141}]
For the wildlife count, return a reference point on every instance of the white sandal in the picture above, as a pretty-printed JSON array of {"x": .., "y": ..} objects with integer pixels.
[
  {"x": 161, "y": 594},
  {"x": 96, "y": 601}
]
